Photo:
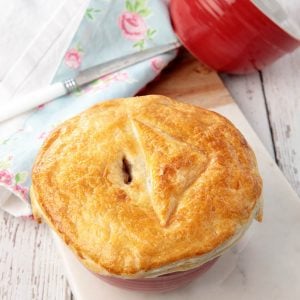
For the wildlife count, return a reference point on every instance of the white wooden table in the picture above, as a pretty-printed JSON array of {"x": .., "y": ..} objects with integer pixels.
[{"x": 30, "y": 267}]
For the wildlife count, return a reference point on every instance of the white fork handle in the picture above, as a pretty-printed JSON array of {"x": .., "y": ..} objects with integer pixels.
[{"x": 24, "y": 103}]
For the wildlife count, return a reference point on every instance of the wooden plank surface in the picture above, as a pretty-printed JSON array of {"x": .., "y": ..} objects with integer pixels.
[
  {"x": 248, "y": 93},
  {"x": 270, "y": 100},
  {"x": 192, "y": 82},
  {"x": 30, "y": 268},
  {"x": 282, "y": 90}
]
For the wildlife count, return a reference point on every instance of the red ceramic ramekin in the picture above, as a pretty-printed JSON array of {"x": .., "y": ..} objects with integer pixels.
[
  {"x": 235, "y": 36},
  {"x": 163, "y": 283}
]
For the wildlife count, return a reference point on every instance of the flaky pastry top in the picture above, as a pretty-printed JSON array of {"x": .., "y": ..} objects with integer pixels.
[{"x": 133, "y": 185}]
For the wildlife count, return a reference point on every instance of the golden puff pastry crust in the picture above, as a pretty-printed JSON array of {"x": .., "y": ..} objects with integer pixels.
[{"x": 143, "y": 186}]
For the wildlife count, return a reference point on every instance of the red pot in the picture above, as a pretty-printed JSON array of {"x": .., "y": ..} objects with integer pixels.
[
  {"x": 235, "y": 36},
  {"x": 163, "y": 283}
]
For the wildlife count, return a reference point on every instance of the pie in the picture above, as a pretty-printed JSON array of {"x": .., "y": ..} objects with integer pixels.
[{"x": 146, "y": 186}]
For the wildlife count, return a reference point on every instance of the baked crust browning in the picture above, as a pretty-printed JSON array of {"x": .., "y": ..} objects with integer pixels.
[{"x": 134, "y": 185}]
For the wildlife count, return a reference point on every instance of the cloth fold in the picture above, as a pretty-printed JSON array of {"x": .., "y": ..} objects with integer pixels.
[{"x": 109, "y": 29}]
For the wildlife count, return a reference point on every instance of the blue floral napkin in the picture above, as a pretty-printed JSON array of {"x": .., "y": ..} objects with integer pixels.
[{"x": 108, "y": 30}]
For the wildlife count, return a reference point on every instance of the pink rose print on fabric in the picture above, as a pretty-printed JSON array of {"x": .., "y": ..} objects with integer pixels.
[
  {"x": 120, "y": 76},
  {"x": 41, "y": 106},
  {"x": 133, "y": 26},
  {"x": 73, "y": 58},
  {"x": 157, "y": 64},
  {"x": 23, "y": 191},
  {"x": 6, "y": 177},
  {"x": 13, "y": 181}
]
